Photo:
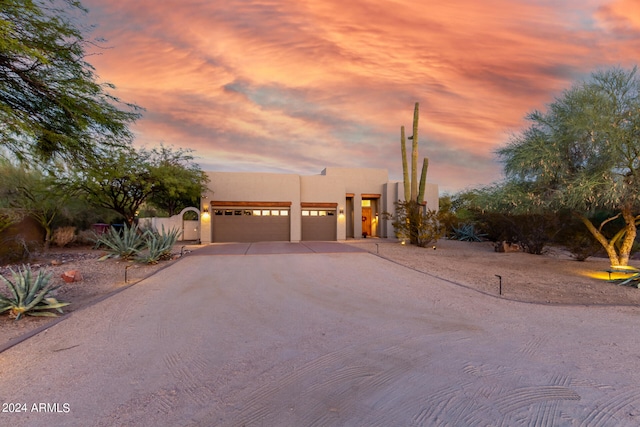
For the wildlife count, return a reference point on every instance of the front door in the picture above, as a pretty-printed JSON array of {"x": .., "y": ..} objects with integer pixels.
[{"x": 366, "y": 221}]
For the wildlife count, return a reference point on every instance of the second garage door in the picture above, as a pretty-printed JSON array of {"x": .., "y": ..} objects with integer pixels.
[
  {"x": 250, "y": 224},
  {"x": 319, "y": 224}
]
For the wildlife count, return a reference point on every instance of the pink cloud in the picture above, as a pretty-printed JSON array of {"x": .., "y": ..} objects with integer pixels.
[{"x": 300, "y": 85}]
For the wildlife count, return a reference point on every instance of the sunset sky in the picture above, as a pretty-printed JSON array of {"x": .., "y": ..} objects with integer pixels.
[{"x": 298, "y": 85}]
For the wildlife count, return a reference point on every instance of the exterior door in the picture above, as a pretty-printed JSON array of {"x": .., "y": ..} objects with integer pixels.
[
  {"x": 366, "y": 221},
  {"x": 190, "y": 230}
]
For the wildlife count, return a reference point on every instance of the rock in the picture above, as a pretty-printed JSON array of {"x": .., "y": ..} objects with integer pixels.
[
  {"x": 72, "y": 276},
  {"x": 507, "y": 247},
  {"x": 55, "y": 262}
]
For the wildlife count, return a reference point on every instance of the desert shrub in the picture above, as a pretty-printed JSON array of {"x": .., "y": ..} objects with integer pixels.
[
  {"x": 29, "y": 295},
  {"x": 158, "y": 245},
  {"x": 62, "y": 236},
  {"x": 123, "y": 242},
  {"x": 413, "y": 223}
]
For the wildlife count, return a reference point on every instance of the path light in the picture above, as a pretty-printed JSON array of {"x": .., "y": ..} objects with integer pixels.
[{"x": 500, "y": 284}]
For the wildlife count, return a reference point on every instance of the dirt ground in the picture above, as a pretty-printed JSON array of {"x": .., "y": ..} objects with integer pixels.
[{"x": 552, "y": 278}]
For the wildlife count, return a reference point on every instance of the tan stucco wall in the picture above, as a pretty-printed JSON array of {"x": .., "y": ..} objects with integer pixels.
[
  {"x": 253, "y": 187},
  {"x": 359, "y": 181},
  {"x": 325, "y": 189}
]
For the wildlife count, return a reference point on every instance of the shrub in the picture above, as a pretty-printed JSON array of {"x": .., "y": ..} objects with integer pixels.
[
  {"x": 64, "y": 235},
  {"x": 28, "y": 295},
  {"x": 411, "y": 222},
  {"x": 124, "y": 244}
]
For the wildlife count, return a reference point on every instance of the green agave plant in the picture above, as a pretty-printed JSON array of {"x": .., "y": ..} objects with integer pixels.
[
  {"x": 123, "y": 244},
  {"x": 159, "y": 245},
  {"x": 467, "y": 233},
  {"x": 29, "y": 295}
]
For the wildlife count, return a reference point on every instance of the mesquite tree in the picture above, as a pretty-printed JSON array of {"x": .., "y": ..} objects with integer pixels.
[{"x": 582, "y": 154}]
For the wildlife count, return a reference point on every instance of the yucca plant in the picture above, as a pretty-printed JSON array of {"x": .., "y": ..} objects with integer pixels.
[
  {"x": 159, "y": 245},
  {"x": 124, "y": 244},
  {"x": 29, "y": 295}
]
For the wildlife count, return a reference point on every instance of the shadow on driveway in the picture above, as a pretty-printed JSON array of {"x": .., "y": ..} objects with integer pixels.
[{"x": 266, "y": 248}]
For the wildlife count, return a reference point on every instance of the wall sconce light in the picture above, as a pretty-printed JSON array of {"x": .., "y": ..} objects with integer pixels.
[
  {"x": 205, "y": 212},
  {"x": 341, "y": 211}
]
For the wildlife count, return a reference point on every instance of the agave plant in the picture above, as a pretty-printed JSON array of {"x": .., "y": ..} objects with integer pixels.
[
  {"x": 467, "y": 233},
  {"x": 159, "y": 245},
  {"x": 125, "y": 244},
  {"x": 28, "y": 295}
]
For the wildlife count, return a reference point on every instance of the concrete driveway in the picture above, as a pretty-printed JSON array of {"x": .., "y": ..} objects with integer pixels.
[{"x": 323, "y": 339}]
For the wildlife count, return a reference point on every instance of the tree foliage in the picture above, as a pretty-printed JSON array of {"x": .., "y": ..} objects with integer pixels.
[
  {"x": 50, "y": 101},
  {"x": 33, "y": 193},
  {"x": 127, "y": 178},
  {"x": 582, "y": 154},
  {"x": 179, "y": 181}
]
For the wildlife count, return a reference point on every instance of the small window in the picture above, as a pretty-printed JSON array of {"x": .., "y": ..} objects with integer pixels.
[
  {"x": 322, "y": 213},
  {"x": 331, "y": 213},
  {"x": 284, "y": 213},
  {"x": 266, "y": 213},
  {"x": 314, "y": 213},
  {"x": 228, "y": 212},
  {"x": 257, "y": 213},
  {"x": 218, "y": 212},
  {"x": 305, "y": 213},
  {"x": 238, "y": 213},
  {"x": 247, "y": 213},
  {"x": 275, "y": 213},
  {"x": 366, "y": 203}
]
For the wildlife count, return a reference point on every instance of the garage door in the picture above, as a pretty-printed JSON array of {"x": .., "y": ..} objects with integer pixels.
[
  {"x": 250, "y": 224},
  {"x": 319, "y": 224}
]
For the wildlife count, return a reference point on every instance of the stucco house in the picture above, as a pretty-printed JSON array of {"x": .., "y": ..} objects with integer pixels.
[{"x": 337, "y": 204}]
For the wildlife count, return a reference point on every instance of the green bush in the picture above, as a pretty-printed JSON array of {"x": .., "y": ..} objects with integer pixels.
[
  {"x": 28, "y": 295},
  {"x": 413, "y": 223}
]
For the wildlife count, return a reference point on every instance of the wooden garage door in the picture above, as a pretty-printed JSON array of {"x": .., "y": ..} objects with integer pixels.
[
  {"x": 319, "y": 224},
  {"x": 258, "y": 224}
]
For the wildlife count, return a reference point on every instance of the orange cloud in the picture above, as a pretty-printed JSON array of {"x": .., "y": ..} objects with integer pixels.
[{"x": 300, "y": 85}]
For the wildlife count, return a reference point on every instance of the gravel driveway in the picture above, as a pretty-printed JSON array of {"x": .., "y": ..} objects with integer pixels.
[{"x": 323, "y": 339}]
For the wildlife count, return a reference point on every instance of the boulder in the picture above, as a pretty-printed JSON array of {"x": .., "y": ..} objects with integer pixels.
[
  {"x": 507, "y": 247},
  {"x": 72, "y": 276}
]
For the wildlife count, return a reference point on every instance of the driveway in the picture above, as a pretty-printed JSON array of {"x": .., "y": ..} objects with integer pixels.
[{"x": 323, "y": 339}]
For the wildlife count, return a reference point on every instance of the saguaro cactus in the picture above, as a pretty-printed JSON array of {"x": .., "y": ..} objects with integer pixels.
[{"x": 412, "y": 190}]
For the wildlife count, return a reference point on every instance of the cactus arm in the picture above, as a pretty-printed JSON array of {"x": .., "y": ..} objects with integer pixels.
[
  {"x": 405, "y": 167},
  {"x": 414, "y": 155},
  {"x": 423, "y": 180}
]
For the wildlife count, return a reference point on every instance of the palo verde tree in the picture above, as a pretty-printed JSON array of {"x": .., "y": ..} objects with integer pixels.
[
  {"x": 50, "y": 101},
  {"x": 583, "y": 155}
]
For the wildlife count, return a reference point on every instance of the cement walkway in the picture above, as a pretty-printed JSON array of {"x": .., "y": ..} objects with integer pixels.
[{"x": 323, "y": 339}]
